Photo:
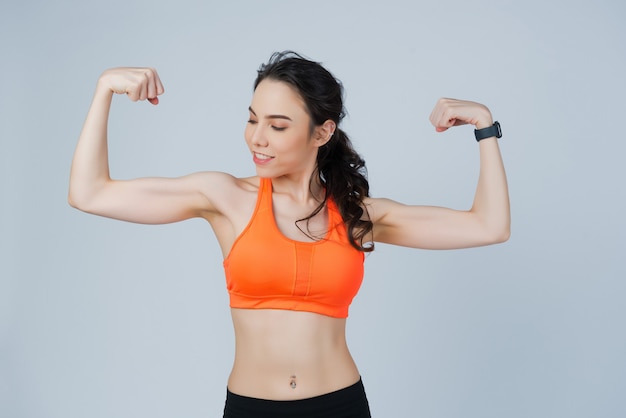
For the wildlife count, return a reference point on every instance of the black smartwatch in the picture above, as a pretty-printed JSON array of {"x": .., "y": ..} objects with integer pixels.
[{"x": 493, "y": 130}]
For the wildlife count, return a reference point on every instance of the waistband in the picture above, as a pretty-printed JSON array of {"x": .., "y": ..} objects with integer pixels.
[{"x": 351, "y": 399}]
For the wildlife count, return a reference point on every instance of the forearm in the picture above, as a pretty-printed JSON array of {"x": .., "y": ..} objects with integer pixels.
[
  {"x": 491, "y": 202},
  {"x": 90, "y": 165}
]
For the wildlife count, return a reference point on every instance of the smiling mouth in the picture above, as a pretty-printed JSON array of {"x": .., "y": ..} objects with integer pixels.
[{"x": 262, "y": 157}]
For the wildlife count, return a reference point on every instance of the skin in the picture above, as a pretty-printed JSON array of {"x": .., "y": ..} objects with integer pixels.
[{"x": 273, "y": 345}]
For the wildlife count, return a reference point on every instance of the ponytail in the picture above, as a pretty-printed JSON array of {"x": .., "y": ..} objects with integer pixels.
[{"x": 342, "y": 170}]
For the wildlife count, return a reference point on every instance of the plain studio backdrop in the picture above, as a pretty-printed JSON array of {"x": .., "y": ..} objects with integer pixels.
[{"x": 100, "y": 318}]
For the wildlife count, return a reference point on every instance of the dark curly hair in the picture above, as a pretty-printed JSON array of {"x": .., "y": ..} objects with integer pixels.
[{"x": 340, "y": 168}]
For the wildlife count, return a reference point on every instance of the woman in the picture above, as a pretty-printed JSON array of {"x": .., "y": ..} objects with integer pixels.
[{"x": 293, "y": 237}]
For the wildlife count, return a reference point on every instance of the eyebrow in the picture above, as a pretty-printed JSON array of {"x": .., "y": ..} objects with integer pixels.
[{"x": 271, "y": 116}]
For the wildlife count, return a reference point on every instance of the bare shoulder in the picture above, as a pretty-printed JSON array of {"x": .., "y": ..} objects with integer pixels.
[
  {"x": 225, "y": 192},
  {"x": 219, "y": 178},
  {"x": 379, "y": 207},
  {"x": 398, "y": 223},
  {"x": 220, "y": 184}
]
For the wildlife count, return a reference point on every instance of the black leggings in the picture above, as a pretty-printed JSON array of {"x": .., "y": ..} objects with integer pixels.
[{"x": 349, "y": 402}]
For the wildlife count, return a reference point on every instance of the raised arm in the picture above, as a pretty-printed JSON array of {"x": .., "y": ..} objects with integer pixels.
[
  {"x": 147, "y": 200},
  {"x": 488, "y": 220}
]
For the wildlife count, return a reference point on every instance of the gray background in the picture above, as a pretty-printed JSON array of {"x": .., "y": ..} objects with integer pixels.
[{"x": 100, "y": 318}]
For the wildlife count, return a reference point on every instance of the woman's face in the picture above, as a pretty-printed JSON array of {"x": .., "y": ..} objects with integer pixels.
[{"x": 278, "y": 132}]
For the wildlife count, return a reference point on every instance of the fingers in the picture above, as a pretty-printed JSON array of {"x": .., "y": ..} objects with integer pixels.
[
  {"x": 149, "y": 86},
  {"x": 452, "y": 112},
  {"x": 154, "y": 86},
  {"x": 137, "y": 83},
  {"x": 445, "y": 114}
]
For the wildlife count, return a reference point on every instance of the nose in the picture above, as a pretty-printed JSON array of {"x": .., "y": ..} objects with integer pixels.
[{"x": 257, "y": 135}]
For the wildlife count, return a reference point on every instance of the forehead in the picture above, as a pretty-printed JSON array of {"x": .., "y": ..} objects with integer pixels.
[{"x": 277, "y": 97}]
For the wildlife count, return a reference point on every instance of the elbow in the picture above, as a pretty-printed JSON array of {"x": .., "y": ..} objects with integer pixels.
[
  {"x": 494, "y": 232},
  {"x": 77, "y": 200},
  {"x": 500, "y": 235},
  {"x": 73, "y": 193},
  {"x": 73, "y": 197},
  {"x": 503, "y": 236},
  {"x": 83, "y": 196},
  {"x": 495, "y": 229},
  {"x": 73, "y": 202}
]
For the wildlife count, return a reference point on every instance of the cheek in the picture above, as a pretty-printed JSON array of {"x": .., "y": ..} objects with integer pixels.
[{"x": 247, "y": 132}]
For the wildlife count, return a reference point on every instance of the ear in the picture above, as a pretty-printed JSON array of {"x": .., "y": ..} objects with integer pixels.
[{"x": 324, "y": 132}]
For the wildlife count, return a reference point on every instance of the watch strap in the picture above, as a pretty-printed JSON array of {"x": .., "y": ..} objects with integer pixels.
[{"x": 493, "y": 130}]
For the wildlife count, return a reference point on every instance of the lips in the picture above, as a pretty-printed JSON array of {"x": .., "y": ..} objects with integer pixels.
[{"x": 261, "y": 158}]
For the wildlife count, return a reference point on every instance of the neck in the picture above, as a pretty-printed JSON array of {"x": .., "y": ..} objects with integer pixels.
[{"x": 301, "y": 188}]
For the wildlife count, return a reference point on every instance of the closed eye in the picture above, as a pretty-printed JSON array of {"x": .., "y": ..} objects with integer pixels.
[{"x": 279, "y": 129}]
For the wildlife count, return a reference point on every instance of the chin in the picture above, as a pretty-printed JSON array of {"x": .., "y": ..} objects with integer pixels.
[{"x": 265, "y": 172}]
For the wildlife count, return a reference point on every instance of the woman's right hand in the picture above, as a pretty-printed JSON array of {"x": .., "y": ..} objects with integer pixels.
[{"x": 138, "y": 83}]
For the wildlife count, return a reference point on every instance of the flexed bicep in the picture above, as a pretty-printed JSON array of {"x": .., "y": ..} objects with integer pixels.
[
  {"x": 155, "y": 200},
  {"x": 427, "y": 227},
  {"x": 146, "y": 200}
]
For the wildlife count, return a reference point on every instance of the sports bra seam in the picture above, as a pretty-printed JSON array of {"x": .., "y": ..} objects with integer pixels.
[{"x": 304, "y": 299}]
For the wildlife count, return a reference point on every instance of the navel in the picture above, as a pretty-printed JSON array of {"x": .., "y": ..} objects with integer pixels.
[{"x": 292, "y": 381}]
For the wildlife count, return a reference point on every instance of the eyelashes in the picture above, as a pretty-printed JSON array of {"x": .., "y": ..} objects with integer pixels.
[{"x": 275, "y": 128}]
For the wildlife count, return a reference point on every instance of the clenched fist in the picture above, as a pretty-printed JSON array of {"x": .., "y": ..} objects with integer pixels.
[
  {"x": 136, "y": 83},
  {"x": 452, "y": 112}
]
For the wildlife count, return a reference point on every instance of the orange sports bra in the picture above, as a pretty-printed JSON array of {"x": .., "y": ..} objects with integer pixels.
[{"x": 266, "y": 270}]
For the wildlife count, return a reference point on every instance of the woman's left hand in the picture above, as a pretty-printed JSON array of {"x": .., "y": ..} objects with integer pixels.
[{"x": 452, "y": 112}]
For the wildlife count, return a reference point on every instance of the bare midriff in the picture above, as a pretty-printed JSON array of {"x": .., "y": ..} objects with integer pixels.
[{"x": 286, "y": 355}]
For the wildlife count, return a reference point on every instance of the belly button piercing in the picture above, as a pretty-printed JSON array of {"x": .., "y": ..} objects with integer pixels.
[{"x": 293, "y": 382}]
